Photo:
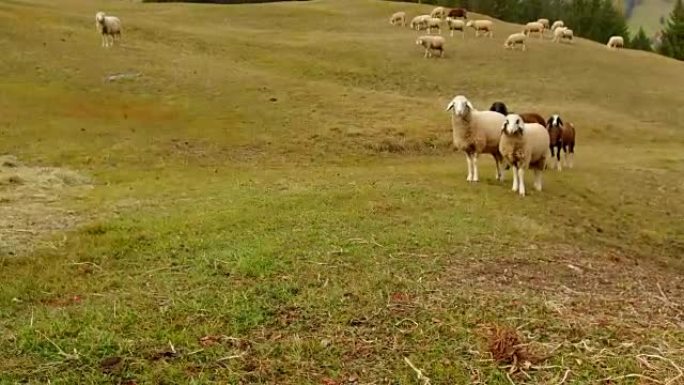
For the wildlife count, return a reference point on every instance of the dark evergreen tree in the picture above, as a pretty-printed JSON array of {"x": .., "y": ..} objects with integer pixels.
[
  {"x": 641, "y": 41},
  {"x": 673, "y": 35}
]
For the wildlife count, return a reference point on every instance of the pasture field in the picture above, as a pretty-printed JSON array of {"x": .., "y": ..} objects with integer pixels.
[{"x": 272, "y": 199}]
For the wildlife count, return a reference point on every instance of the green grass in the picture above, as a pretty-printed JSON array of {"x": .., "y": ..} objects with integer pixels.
[{"x": 281, "y": 175}]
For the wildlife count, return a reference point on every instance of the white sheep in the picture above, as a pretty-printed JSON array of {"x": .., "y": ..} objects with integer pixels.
[
  {"x": 475, "y": 132},
  {"x": 615, "y": 42},
  {"x": 456, "y": 25},
  {"x": 439, "y": 12},
  {"x": 534, "y": 26},
  {"x": 109, "y": 28},
  {"x": 557, "y": 24},
  {"x": 398, "y": 18},
  {"x": 482, "y": 25},
  {"x": 418, "y": 22},
  {"x": 433, "y": 22},
  {"x": 516, "y": 39},
  {"x": 431, "y": 43},
  {"x": 544, "y": 22},
  {"x": 524, "y": 145},
  {"x": 562, "y": 34}
]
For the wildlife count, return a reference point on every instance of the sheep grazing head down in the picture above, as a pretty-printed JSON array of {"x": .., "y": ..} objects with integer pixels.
[
  {"x": 513, "y": 125},
  {"x": 460, "y": 105}
]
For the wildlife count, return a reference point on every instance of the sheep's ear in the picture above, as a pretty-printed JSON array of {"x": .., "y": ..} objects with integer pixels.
[
  {"x": 450, "y": 106},
  {"x": 504, "y": 125},
  {"x": 549, "y": 122},
  {"x": 560, "y": 122}
]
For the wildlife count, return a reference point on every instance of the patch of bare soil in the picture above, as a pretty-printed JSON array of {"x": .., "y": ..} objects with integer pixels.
[{"x": 32, "y": 203}]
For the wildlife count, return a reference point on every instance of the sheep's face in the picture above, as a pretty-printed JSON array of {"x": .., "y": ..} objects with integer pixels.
[
  {"x": 555, "y": 121},
  {"x": 460, "y": 105},
  {"x": 513, "y": 124},
  {"x": 99, "y": 17}
]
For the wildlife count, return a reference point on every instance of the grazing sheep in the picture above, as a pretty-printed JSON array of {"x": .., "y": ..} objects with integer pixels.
[
  {"x": 544, "y": 22},
  {"x": 418, "y": 22},
  {"x": 616, "y": 42},
  {"x": 431, "y": 43},
  {"x": 533, "y": 117},
  {"x": 439, "y": 12},
  {"x": 561, "y": 135},
  {"x": 523, "y": 146},
  {"x": 475, "y": 132},
  {"x": 557, "y": 24},
  {"x": 562, "y": 34},
  {"x": 398, "y": 18},
  {"x": 532, "y": 27},
  {"x": 482, "y": 25},
  {"x": 499, "y": 107},
  {"x": 516, "y": 39},
  {"x": 458, "y": 13},
  {"x": 433, "y": 22},
  {"x": 456, "y": 25},
  {"x": 109, "y": 28}
]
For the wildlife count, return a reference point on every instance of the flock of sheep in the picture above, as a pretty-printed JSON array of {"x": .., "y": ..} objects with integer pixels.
[
  {"x": 454, "y": 20},
  {"x": 521, "y": 141}
]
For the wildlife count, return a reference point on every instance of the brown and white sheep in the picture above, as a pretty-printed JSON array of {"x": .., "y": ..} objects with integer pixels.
[
  {"x": 458, "y": 13},
  {"x": 523, "y": 146},
  {"x": 561, "y": 136}
]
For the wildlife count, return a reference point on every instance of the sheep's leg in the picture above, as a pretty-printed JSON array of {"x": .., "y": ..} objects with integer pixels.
[
  {"x": 538, "y": 179},
  {"x": 499, "y": 174},
  {"x": 470, "y": 168},
  {"x": 515, "y": 179},
  {"x": 476, "y": 177},
  {"x": 103, "y": 40},
  {"x": 521, "y": 181},
  {"x": 452, "y": 33}
]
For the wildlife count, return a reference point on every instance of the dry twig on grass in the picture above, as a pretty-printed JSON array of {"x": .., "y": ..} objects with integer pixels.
[{"x": 425, "y": 380}]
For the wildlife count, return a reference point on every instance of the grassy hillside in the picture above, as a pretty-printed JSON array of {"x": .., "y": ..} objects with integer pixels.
[{"x": 272, "y": 199}]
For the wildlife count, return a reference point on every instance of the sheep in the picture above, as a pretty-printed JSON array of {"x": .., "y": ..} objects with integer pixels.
[
  {"x": 615, "y": 42},
  {"x": 439, "y": 12},
  {"x": 544, "y": 22},
  {"x": 562, "y": 34},
  {"x": 433, "y": 22},
  {"x": 532, "y": 117},
  {"x": 515, "y": 39},
  {"x": 499, "y": 107},
  {"x": 431, "y": 43},
  {"x": 523, "y": 146},
  {"x": 418, "y": 22},
  {"x": 561, "y": 135},
  {"x": 482, "y": 25},
  {"x": 456, "y": 25},
  {"x": 475, "y": 132},
  {"x": 534, "y": 26},
  {"x": 458, "y": 13},
  {"x": 557, "y": 24},
  {"x": 398, "y": 17},
  {"x": 109, "y": 27}
]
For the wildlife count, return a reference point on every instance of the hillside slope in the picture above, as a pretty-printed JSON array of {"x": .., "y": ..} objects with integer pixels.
[
  {"x": 272, "y": 199},
  {"x": 647, "y": 14}
]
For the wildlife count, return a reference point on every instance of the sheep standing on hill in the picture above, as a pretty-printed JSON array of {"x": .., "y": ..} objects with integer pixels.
[
  {"x": 418, "y": 22},
  {"x": 398, "y": 18},
  {"x": 523, "y": 145},
  {"x": 516, "y": 39},
  {"x": 457, "y": 13},
  {"x": 431, "y": 43},
  {"x": 456, "y": 25},
  {"x": 486, "y": 26},
  {"x": 534, "y": 27},
  {"x": 439, "y": 12},
  {"x": 544, "y": 22},
  {"x": 475, "y": 132},
  {"x": 109, "y": 28},
  {"x": 557, "y": 24},
  {"x": 615, "y": 42},
  {"x": 563, "y": 34},
  {"x": 433, "y": 22},
  {"x": 561, "y": 135}
]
